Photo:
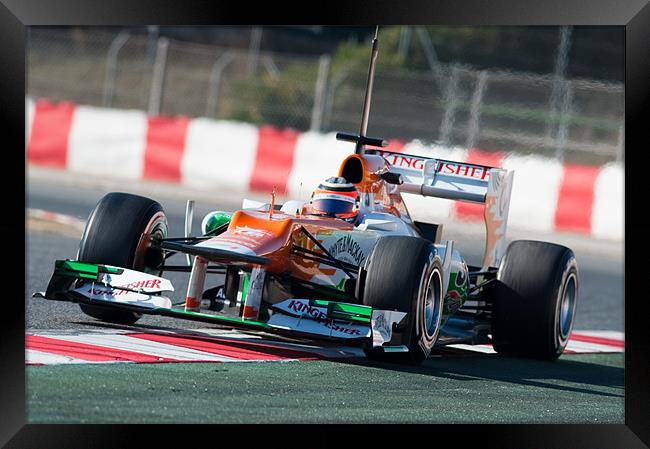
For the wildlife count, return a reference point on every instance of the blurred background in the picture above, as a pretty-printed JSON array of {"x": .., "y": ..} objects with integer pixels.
[{"x": 553, "y": 91}]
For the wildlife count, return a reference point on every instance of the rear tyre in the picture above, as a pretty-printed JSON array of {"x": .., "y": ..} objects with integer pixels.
[
  {"x": 405, "y": 274},
  {"x": 114, "y": 236},
  {"x": 535, "y": 300}
]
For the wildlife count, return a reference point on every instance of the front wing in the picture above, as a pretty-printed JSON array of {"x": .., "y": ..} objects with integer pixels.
[{"x": 130, "y": 290}]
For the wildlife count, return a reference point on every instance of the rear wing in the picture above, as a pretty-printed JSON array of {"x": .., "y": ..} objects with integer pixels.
[{"x": 460, "y": 181}]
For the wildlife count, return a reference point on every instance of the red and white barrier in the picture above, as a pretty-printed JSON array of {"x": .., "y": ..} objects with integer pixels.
[{"x": 202, "y": 153}]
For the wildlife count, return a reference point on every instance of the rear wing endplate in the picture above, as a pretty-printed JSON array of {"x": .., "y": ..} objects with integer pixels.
[{"x": 460, "y": 181}]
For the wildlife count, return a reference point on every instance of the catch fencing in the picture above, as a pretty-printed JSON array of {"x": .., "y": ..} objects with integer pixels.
[{"x": 573, "y": 120}]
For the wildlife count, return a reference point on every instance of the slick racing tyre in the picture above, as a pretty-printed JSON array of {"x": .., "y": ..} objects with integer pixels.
[
  {"x": 534, "y": 300},
  {"x": 113, "y": 236},
  {"x": 405, "y": 274}
]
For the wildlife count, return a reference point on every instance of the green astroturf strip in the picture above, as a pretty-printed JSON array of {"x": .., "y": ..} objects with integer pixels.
[{"x": 485, "y": 389}]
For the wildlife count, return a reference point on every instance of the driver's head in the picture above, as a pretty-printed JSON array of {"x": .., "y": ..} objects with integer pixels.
[{"x": 335, "y": 197}]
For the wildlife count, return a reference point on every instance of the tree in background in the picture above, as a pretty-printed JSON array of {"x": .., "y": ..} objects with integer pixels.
[{"x": 593, "y": 53}]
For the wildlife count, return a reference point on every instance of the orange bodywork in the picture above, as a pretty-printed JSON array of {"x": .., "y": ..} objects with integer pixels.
[
  {"x": 372, "y": 166},
  {"x": 385, "y": 197},
  {"x": 273, "y": 237}
]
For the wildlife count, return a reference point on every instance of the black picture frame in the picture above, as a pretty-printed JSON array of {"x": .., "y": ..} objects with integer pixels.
[{"x": 15, "y": 15}]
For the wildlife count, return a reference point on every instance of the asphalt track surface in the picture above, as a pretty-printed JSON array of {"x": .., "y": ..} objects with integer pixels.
[
  {"x": 479, "y": 389},
  {"x": 474, "y": 388}
]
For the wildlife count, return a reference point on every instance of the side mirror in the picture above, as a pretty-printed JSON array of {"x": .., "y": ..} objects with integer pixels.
[{"x": 392, "y": 178}]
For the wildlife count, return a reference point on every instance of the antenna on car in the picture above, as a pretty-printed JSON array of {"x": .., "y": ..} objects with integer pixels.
[
  {"x": 298, "y": 211},
  {"x": 361, "y": 139},
  {"x": 371, "y": 77}
]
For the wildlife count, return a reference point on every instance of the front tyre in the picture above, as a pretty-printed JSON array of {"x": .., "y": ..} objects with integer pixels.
[
  {"x": 535, "y": 300},
  {"x": 116, "y": 233},
  {"x": 405, "y": 274}
]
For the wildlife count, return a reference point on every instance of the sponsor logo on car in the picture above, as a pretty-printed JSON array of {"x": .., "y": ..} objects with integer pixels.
[
  {"x": 381, "y": 325},
  {"x": 142, "y": 284},
  {"x": 302, "y": 307},
  {"x": 343, "y": 329},
  {"x": 445, "y": 168},
  {"x": 403, "y": 161},
  {"x": 148, "y": 283},
  {"x": 326, "y": 328},
  {"x": 347, "y": 245},
  {"x": 100, "y": 291},
  {"x": 250, "y": 232},
  {"x": 464, "y": 171},
  {"x": 461, "y": 278},
  {"x": 453, "y": 301}
]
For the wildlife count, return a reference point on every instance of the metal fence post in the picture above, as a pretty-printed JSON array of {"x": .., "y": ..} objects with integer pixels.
[
  {"x": 254, "y": 49},
  {"x": 153, "y": 34},
  {"x": 319, "y": 93},
  {"x": 449, "y": 116},
  {"x": 111, "y": 67},
  {"x": 271, "y": 67},
  {"x": 158, "y": 79},
  {"x": 430, "y": 53},
  {"x": 404, "y": 41},
  {"x": 621, "y": 144},
  {"x": 473, "y": 130},
  {"x": 561, "y": 60},
  {"x": 331, "y": 91},
  {"x": 565, "y": 115},
  {"x": 215, "y": 82}
]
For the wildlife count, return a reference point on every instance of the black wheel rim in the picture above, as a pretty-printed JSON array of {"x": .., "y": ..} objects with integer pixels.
[
  {"x": 157, "y": 227},
  {"x": 432, "y": 303},
  {"x": 567, "y": 306}
]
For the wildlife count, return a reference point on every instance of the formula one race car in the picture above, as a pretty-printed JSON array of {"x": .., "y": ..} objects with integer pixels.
[{"x": 350, "y": 266}]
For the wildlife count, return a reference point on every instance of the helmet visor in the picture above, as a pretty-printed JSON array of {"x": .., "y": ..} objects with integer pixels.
[{"x": 333, "y": 204}]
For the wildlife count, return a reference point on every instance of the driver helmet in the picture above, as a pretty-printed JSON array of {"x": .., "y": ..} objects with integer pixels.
[{"x": 336, "y": 197}]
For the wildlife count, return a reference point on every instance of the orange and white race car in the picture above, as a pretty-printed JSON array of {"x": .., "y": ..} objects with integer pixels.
[
  {"x": 349, "y": 266},
  {"x": 359, "y": 272}
]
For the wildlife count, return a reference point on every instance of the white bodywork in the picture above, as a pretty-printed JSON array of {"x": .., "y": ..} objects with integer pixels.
[
  {"x": 302, "y": 316},
  {"x": 461, "y": 181},
  {"x": 145, "y": 284}
]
